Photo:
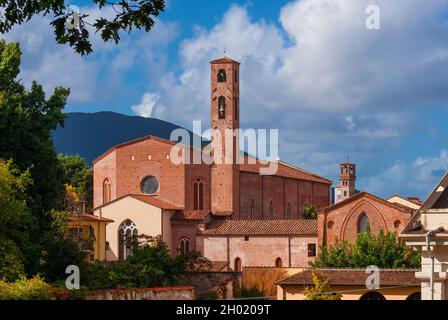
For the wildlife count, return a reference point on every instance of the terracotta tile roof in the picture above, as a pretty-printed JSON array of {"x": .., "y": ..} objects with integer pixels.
[
  {"x": 217, "y": 266},
  {"x": 88, "y": 217},
  {"x": 191, "y": 215},
  {"x": 356, "y": 277},
  {"x": 224, "y": 59},
  {"x": 284, "y": 170},
  {"x": 263, "y": 227},
  {"x": 154, "y": 201},
  {"x": 223, "y": 213}
]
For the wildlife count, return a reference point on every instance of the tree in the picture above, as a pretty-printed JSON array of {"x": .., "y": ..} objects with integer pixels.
[
  {"x": 15, "y": 219},
  {"x": 77, "y": 174},
  {"x": 71, "y": 26},
  {"x": 384, "y": 250},
  {"x": 27, "y": 119},
  {"x": 310, "y": 212},
  {"x": 321, "y": 290}
]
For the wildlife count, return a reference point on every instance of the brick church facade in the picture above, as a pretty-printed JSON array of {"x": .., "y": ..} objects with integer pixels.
[{"x": 204, "y": 207}]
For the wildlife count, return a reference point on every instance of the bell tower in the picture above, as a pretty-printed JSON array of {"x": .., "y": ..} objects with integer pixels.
[
  {"x": 346, "y": 189},
  {"x": 225, "y": 124}
]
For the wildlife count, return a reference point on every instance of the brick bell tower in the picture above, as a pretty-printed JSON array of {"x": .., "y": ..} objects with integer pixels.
[
  {"x": 346, "y": 189},
  {"x": 225, "y": 118}
]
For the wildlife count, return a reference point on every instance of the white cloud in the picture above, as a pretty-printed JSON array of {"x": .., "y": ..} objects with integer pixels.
[
  {"x": 146, "y": 106},
  {"x": 417, "y": 177}
]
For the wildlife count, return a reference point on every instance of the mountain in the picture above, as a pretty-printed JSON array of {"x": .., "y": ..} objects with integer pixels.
[{"x": 91, "y": 134}]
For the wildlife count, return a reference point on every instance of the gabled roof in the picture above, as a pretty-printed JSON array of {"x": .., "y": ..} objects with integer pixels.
[
  {"x": 284, "y": 170},
  {"x": 371, "y": 196},
  {"x": 193, "y": 215},
  {"x": 225, "y": 59},
  {"x": 437, "y": 199},
  {"x": 128, "y": 143},
  {"x": 88, "y": 217},
  {"x": 151, "y": 200},
  {"x": 262, "y": 228},
  {"x": 355, "y": 277},
  {"x": 411, "y": 201}
]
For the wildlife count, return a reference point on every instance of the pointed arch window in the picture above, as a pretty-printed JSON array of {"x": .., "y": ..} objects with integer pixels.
[
  {"x": 288, "y": 211},
  {"x": 252, "y": 208},
  {"x": 222, "y": 107},
  {"x": 126, "y": 232},
  {"x": 271, "y": 210},
  {"x": 198, "y": 195},
  {"x": 363, "y": 224},
  {"x": 235, "y": 108},
  {"x": 222, "y": 76},
  {"x": 106, "y": 191},
  {"x": 279, "y": 263},
  {"x": 237, "y": 265},
  {"x": 184, "y": 246}
]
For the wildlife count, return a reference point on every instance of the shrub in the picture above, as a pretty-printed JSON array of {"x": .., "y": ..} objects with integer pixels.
[
  {"x": 321, "y": 290},
  {"x": 26, "y": 289},
  {"x": 384, "y": 250}
]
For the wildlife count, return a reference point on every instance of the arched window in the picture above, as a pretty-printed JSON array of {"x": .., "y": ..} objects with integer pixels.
[
  {"x": 363, "y": 223},
  {"x": 106, "y": 191},
  {"x": 288, "y": 211},
  {"x": 252, "y": 208},
  {"x": 184, "y": 246},
  {"x": 271, "y": 210},
  {"x": 235, "y": 76},
  {"x": 373, "y": 295},
  {"x": 198, "y": 195},
  {"x": 415, "y": 296},
  {"x": 237, "y": 265},
  {"x": 279, "y": 263},
  {"x": 222, "y": 107},
  {"x": 149, "y": 185},
  {"x": 127, "y": 232},
  {"x": 235, "y": 108},
  {"x": 222, "y": 77}
]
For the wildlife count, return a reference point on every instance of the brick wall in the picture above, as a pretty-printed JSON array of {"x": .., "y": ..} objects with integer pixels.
[{"x": 175, "y": 293}]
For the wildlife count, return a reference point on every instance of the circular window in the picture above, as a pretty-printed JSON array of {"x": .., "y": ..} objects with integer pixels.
[
  {"x": 330, "y": 225},
  {"x": 397, "y": 224},
  {"x": 149, "y": 185}
]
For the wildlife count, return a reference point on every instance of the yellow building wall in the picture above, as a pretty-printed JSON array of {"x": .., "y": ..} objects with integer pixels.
[
  {"x": 295, "y": 292},
  {"x": 99, "y": 230},
  {"x": 149, "y": 220}
]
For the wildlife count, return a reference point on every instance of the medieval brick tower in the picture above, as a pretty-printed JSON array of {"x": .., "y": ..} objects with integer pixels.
[
  {"x": 346, "y": 189},
  {"x": 225, "y": 121}
]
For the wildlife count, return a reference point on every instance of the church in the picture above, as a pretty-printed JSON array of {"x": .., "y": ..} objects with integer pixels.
[{"x": 231, "y": 213}]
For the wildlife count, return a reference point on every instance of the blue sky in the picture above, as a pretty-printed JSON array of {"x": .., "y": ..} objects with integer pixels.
[{"x": 309, "y": 68}]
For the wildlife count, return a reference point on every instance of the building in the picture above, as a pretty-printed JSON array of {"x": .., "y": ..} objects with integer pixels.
[
  {"x": 351, "y": 284},
  {"x": 139, "y": 186},
  {"x": 89, "y": 232},
  {"x": 427, "y": 232},
  {"x": 412, "y": 202},
  {"x": 261, "y": 243},
  {"x": 347, "y": 186},
  {"x": 363, "y": 212}
]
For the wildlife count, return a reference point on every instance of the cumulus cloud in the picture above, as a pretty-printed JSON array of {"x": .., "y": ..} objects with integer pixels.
[
  {"x": 331, "y": 86},
  {"x": 144, "y": 109},
  {"x": 424, "y": 170},
  {"x": 99, "y": 78}
]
